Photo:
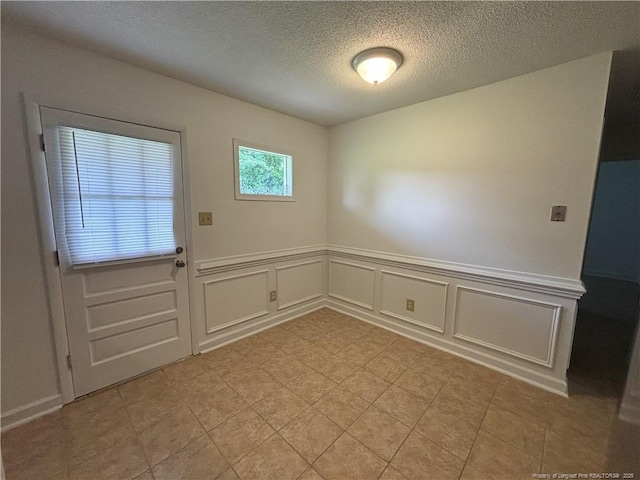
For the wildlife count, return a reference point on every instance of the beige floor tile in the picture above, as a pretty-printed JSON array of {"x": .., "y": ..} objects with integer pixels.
[
  {"x": 463, "y": 405},
  {"x": 522, "y": 434},
  {"x": 294, "y": 344},
  {"x": 522, "y": 399},
  {"x": 280, "y": 407},
  {"x": 273, "y": 459},
  {"x": 402, "y": 405},
  {"x": 399, "y": 353},
  {"x": 146, "y": 412},
  {"x": 497, "y": 458},
  {"x": 94, "y": 432},
  {"x": 332, "y": 342},
  {"x": 199, "y": 392},
  {"x": 348, "y": 458},
  {"x": 265, "y": 351},
  {"x": 421, "y": 385},
  {"x": 311, "y": 386},
  {"x": 379, "y": 432},
  {"x": 248, "y": 345},
  {"x": 123, "y": 461},
  {"x": 357, "y": 354},
  {"x": 385, "y": 368},
  {"x": 311, "y": 433},
  {"x": 199, "y": 460},
  {"x": 240, "y": 434},
  {"x": 448, "y": 431},
  {"x": 284, "y": 368},
  {"x": 366, "y": 385},
  {"x": 310, "y": 474},
  {"x": 391, "y": 473},
  {"x": 470, "y": 473},
  {"x": 152, "y": 385},
  {"x": 581, "y": 415},
  {"x": 229, "y": 475},
  {"x": 92, "y": 407},
  {"x": 311, "y": 355},
  {"x": 574, "y": 453},
  {"x": 147, "y": 475},
  {"x": 336, "y": 368},
  {"x": 432, "y": 367},
  {"x": 186, "y": 370},
  {"x": 421, "y": 459},
  {"x": 36, "y": 450},
  {"x": 223, "y": 360},
  {"x": 310, "y": 333},
  {"x": 341, "y": 406},
  {"x": 469, "y": 383},
  {"x": 40, "y": 441},
  {"x": 244, "y": 367},
  {"x": 170, "y": 435},
  {"x": 217, "y": 408},
  {"x": 253, "y": 386},
  {"x": 275, "y": 336}
]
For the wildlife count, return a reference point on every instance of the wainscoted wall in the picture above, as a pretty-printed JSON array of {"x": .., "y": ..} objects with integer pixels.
[
  {"x": 232, "y": 295},
  {"x": 517, "y": 323}
]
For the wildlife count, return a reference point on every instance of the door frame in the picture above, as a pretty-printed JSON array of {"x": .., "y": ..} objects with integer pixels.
[{"x": 53, "y": 281}]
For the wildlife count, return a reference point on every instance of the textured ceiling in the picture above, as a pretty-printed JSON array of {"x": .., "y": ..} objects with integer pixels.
[{"x": 295, "y": 57}]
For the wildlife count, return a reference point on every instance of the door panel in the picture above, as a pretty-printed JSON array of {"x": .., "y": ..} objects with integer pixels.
[{"x": 128, "y": 316}]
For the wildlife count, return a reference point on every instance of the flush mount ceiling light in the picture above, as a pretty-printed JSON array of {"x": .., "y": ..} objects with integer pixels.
[{"x": 377, "y": 64}]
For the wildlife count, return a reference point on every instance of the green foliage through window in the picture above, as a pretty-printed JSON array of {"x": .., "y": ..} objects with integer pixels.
[{"x": 263, "y": 173}]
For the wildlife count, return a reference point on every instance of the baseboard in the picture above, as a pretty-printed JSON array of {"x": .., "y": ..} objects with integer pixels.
[
  {"x": 31, "y": 411},
  {"x": 531, "y": 377},
  {"x": 251, "y": 328}
]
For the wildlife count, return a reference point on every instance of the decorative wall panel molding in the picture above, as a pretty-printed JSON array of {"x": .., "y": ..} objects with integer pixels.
[
  {"x": 521, "y": 327},
  {"x": 299, "y": 283},
  {"x": 235, "y": 299},
  {"x": 429, "y": 297},
  {"x": 563, "y": 287},
  {"x": 224, "y": 264},
  {"x": 352, "y": 283}
]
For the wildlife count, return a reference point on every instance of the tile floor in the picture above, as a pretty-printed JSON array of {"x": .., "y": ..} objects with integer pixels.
[{"x": 324, "y": 396}]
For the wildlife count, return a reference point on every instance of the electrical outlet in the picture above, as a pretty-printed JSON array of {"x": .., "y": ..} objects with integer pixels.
[
  {"x": 205, "y": 218},
  {"x": 272, "y": 296},
  {"x": 410, "y": 305}
]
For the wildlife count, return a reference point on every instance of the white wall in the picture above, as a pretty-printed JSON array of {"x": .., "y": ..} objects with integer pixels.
[
  {"x": 62, "y": 76},
  {"x": 613, "y": 247},
  {"x": 470, "y": 178}
]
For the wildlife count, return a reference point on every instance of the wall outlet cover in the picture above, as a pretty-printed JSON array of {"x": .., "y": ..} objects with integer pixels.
[{"x": 410, "y": 305}]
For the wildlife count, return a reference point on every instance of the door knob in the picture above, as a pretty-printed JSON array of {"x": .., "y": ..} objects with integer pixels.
[{"x": 180, "y": 263}]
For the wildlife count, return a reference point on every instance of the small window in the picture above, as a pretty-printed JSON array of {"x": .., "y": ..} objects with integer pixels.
[{"x": 262, "y": 173}]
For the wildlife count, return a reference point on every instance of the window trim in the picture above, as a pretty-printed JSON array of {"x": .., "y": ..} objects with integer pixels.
[{"x": 237, "y": 143}]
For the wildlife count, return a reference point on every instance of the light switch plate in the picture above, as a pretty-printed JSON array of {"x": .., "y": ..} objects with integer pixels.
[
  {"x": 205, "y": 218},
  {"x": 558, "y": 213}
]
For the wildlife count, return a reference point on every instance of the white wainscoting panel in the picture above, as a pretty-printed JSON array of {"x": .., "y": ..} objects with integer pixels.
[
  {"x": 521, "y": 327},
  {"x": 352, "y": 283},
  {"x": 429, "y": 296},
  {"x": 299, "y": 283},
  {"x": 234, "y": 299}
]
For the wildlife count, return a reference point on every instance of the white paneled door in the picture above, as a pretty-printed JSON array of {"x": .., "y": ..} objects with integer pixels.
[{"x": 117, "y": 200}]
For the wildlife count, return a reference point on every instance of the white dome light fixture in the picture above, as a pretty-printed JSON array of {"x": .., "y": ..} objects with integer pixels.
[{"x": 377, "y": 64}]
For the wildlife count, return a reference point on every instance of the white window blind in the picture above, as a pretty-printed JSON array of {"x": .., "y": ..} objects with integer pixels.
[{"x": 117, "y": 196}]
